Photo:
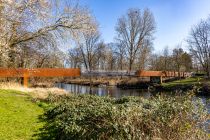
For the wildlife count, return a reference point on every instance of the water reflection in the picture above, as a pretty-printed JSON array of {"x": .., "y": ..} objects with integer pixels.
[
  {"x": 103, "y": 91},
  {"x": 206, "y": 102}
]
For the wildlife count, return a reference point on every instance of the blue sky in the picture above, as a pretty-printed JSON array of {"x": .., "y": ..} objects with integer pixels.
[{"x": 174, "y": 18}]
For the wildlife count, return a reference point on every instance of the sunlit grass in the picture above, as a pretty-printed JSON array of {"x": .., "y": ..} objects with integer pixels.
[
  {"x": 18, "y": 116},
  {"x": 187, "y": 81}
]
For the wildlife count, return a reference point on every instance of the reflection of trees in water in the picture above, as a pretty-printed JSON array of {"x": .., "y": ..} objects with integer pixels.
[{"x": 90, "y": 91}]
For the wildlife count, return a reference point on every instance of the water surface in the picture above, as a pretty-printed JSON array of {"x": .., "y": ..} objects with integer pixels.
[{"x": 111, "y": 91}]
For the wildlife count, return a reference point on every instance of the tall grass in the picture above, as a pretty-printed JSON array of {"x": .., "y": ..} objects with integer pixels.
[{"x": 36, "y": 93}]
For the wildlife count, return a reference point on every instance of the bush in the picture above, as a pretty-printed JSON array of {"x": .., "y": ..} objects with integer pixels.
[
  {"x": 93, "y": 117},
  {"x": 200, "y": 74}
]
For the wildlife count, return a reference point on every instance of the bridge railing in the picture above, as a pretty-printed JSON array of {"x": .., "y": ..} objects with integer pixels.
[
  {"x": 143, "y": 73},
  {"x": 39, "y": 72},
  {"x": 108, "y": 73}
]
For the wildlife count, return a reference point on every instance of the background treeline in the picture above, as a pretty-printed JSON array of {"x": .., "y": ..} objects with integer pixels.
[
  {"x": 108, "y": 58},
  {"x": 132, "y": 48}
]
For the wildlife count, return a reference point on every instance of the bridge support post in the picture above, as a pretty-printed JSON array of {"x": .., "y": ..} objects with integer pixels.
[
  {"x": 156, "y": 79},
  {"x": 25, "y": 79}
]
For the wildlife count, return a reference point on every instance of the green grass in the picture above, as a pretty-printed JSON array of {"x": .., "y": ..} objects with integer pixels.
[
  {"x": 19, "y": 117},
  {"x": 187, "y": 81}
]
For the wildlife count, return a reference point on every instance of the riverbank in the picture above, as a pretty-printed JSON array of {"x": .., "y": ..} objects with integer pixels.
[
  {"x": 122, "y": 82},
  {"x": 95, "y": 81},
  {"x": 199, "y": 85}
]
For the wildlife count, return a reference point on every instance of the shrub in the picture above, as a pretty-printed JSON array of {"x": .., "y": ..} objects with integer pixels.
[{"x": 93, "y": 117}]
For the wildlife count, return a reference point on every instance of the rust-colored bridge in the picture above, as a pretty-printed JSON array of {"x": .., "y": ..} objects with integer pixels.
[
  {"x": 158, "y": 75},
  {"x": 70, "y": 72},
  {"x": 143, "y": 73},
  {"x": 39, "y": 72}
]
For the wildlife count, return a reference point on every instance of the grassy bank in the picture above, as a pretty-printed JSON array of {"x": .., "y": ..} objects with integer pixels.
[
  {"x": 199, "y": 85},
  {"x": 187, "y": 81},
  {"x": 19, "y": 117}
]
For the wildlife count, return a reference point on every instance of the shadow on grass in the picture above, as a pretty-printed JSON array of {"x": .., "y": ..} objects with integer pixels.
[{"x": 47, "y": 132}]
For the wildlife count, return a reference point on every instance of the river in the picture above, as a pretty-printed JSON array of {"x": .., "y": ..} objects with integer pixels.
[{"x": 111, "y": 91}]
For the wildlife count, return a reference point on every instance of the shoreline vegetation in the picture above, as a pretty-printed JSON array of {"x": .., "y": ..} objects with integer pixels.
[{"x": 67, "y": 116}]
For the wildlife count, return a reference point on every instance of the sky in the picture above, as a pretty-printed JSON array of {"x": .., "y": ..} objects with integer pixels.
[{"x": 174, "y": 18}]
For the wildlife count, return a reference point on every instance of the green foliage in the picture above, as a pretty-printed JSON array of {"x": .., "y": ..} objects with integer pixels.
[{"x": 93, "y": 117}]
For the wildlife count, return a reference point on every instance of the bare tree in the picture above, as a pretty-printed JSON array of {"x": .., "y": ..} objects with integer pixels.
[
  {"x": 89, "y": 46},
  {"x": 177, "y": 57},
  {"x": 199, "y": 44},
  {"x": 111, "y": 57},
  {"x": 119, "y": 51},
  {"x": 132, "y": 29},
  {"x": 166, "y": 58},
  {"x": 155, "y": 62},
  {"x": 177, "y": 61},
  {"x": 101, "y": 57},
  {"x": 187, "y": 61},
  {"x": 144, "y": 54},
  {"x": 75, "y": 57}
]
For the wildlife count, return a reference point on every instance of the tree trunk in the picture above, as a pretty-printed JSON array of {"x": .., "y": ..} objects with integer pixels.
[
  {"x": 130, "y": 66},
  {"x": 11, "y": 61}
]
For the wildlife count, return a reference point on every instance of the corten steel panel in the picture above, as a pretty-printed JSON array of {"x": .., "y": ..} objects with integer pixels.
[
  {"x": 54, "y": 72},
  {"x": 172, "y": 74},
  {"x": 143, "y": 73},
  {"x": 41, "y": 72},
  {"x": 4, "y": 72}
]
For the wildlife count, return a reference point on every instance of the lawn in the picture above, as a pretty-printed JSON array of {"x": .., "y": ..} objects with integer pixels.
[
  {"x": 187, "y": 81},
  {"x": 19, "y": 116}
]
